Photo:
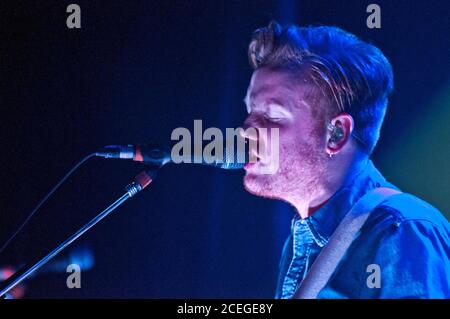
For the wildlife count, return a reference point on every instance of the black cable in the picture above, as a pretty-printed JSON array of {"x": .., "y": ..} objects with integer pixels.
[{"x": 45, "y": 199}]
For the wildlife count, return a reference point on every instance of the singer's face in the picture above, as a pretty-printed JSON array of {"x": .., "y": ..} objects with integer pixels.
[{"x": 291, "y": 103}]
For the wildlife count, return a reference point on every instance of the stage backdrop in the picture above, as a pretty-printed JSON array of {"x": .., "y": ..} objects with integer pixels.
[{"x": 138, "y": 69}]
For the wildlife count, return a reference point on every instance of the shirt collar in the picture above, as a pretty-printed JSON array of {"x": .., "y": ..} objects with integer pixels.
[{"x": 325, "y": 220}]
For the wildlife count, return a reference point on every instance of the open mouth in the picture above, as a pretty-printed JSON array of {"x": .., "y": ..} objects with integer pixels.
[
  {"x": 254, "y": 160},
  {"x": 248, "y": 166},
  {"x": 259, "y": 157}
]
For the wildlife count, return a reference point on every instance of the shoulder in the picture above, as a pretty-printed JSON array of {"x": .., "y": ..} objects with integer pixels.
[
  {"x": 410, "y": 241},
  {"x": 408, "y": 211},
  {"x": 410, "y": 207},
  {"x": 408, "y": 234}
]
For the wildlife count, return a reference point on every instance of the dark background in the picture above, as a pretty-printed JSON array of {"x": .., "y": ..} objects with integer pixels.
[{"x": 138, "y": 69}]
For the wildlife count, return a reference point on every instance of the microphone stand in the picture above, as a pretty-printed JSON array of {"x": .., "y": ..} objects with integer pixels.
[{"x": 141, "y": 181}]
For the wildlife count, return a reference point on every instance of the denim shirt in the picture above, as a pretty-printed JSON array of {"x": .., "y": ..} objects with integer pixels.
[{"x": 402, "y": 251}]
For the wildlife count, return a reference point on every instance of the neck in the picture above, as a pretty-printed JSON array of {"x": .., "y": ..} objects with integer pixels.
[{"x": 341, "y": 173}]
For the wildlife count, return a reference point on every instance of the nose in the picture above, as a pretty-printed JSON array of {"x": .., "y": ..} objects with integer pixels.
[{"x": 249, "y": 131}]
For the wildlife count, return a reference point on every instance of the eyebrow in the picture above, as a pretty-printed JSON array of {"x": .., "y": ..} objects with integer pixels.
[
  {"x": 265, "y": 87},
  {"x": 268, "y": 103},
  {"x": 281, "y": 91},
  {"x": 247, "y": 97}
]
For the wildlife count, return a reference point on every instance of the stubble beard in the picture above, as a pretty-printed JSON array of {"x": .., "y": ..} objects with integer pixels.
[{"x": 301, "y": 168}]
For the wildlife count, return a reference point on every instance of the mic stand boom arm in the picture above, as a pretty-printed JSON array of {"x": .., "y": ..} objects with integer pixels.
[{"x": 141, "y": 181}]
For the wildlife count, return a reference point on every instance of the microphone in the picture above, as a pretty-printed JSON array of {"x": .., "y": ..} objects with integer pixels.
[{"x": 233, "y": 157}]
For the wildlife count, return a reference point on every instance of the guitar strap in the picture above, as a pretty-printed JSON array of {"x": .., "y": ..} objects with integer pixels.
[{"x": 328, "y": 259}]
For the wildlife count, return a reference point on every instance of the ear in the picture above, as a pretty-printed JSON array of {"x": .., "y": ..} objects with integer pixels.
[{"x": 338, "y": 132}]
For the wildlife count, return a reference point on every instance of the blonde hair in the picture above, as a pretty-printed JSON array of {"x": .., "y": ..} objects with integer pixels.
[{"x": 354, "y": 74}]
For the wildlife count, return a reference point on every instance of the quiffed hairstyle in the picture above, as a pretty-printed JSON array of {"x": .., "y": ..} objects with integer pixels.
[{"x": 355, "y": 75}]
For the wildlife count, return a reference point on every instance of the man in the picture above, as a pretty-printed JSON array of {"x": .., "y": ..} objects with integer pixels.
[{"x": 327, "y": 91}]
